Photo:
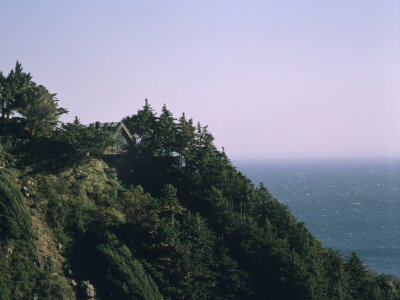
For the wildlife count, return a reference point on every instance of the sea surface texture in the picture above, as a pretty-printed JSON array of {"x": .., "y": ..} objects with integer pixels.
[{"x": 351, "y": 206}]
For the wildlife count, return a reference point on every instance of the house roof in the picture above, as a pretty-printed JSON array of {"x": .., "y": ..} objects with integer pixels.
[{"x": 114, "y": 127}]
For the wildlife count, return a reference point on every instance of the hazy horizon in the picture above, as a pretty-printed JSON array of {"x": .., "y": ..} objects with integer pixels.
[
  {"x": 307, "y": 160},
  {"x": 272, "y": 80}
]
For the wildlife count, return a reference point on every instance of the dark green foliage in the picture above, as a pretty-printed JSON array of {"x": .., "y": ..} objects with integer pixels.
[
  {"x": 272, "y": 255},
  {"x": 50, "y": 286},
  {"x": 11, "y": 87},
  {"x": 181, "y": 252},
  {"x": 23, "y": 274},
  {"x": 142, "y": 126},
  {"x": 117, "y": 273},
  {"x": 17, "y": 268},
  {"x": 39, "y": 108},
  {"x": 68, "y": 145},
  {"x": 81, "y": 140},
  {"x": 386, "y": 287},
  {"x": 15, "y": 221},
  {"x": 184, "y": 224}
]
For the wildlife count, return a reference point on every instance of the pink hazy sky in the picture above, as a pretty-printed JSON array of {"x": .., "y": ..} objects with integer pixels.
[{"x": 272, "y": 79}]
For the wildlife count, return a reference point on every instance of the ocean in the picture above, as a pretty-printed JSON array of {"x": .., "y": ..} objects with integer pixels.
[{"x": 349, "y": 205}]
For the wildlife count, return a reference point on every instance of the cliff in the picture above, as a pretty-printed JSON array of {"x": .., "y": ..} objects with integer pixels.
[{"x": 173, "y": 219}]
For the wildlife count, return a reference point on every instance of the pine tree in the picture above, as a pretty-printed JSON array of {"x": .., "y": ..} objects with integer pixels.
[
  {"x": 39, "y": 108},
  {"x": 143, "y": 127},
  {"x": 11, "y": 87}
]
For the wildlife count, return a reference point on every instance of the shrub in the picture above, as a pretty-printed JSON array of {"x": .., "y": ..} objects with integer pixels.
[{"x": 15, "y": 221}]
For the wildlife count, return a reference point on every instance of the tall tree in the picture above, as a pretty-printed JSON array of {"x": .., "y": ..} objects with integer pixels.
[
  {"x": 359, "y": 278},
  {"x": 166, "y": 132},
  {"x": 11, "y": 87},
  {"x": 142, "y": 125},
  {"x": 40, "y": 109},
  {"x": 186, "y": 139}
]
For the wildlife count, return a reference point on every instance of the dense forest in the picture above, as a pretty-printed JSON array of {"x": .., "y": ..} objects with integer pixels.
[{"x": 171, "y": 219}]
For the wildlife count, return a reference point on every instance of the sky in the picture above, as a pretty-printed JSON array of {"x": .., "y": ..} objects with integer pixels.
[{"x": 271, "y": 79}]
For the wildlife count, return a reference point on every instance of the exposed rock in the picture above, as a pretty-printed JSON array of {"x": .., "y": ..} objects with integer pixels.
[
  {"x": 73, "y": 283},
  {"x": 88, "y": 289},
  {"x": 67, "y": 268},
  {"x": 10, "y": 251},
  {"x": 39, "y": 262}
]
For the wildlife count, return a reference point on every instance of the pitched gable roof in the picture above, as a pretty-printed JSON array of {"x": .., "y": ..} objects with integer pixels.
[
  {"x": 119, "y": 132},
  {"x": 114, "y": 127}
]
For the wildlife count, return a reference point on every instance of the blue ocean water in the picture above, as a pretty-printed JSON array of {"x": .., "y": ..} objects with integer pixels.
[{"x": 351, "y": 206}]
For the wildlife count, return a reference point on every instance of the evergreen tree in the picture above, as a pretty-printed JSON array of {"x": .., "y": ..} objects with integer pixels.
[
  {"x": 186, "y": 141},
  {"x": 11, "y": 87},
  {"x": 165, "y": 134},
  {"x": 193, "y": 227},
  {"x": 143, "y": 127},
  {"x": 40, "y": 110},
  {"x": 360, "y": 281}
]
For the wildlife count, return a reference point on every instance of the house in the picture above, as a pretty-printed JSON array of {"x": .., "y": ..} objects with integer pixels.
[{"x": 123, "y": 138}]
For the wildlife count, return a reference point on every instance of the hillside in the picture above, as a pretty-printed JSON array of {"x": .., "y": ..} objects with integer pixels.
[{"x": 173, "y": 219}]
